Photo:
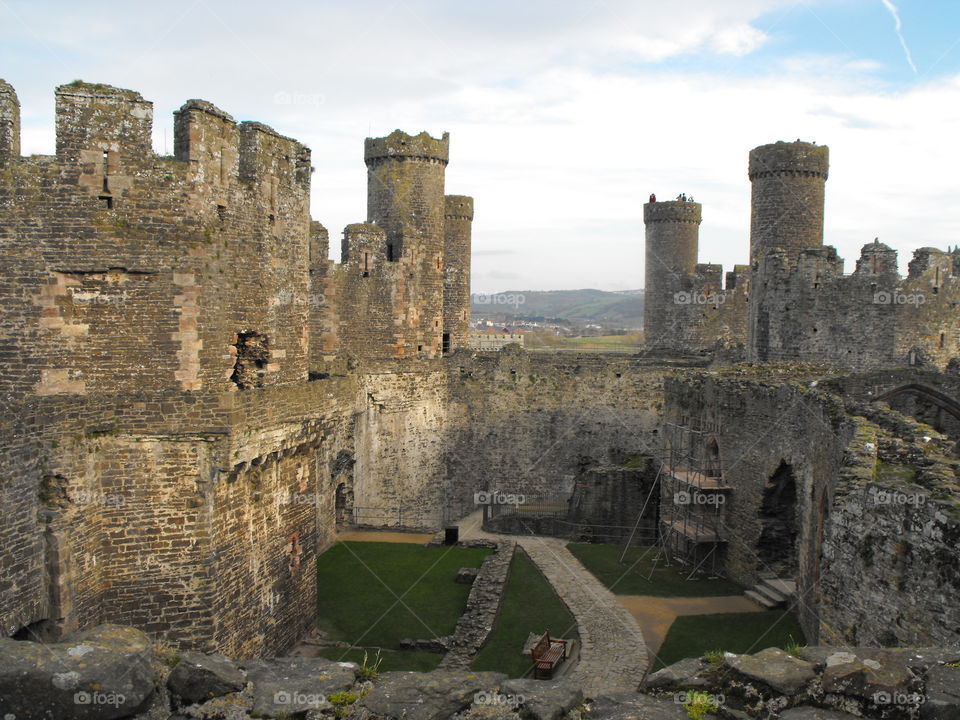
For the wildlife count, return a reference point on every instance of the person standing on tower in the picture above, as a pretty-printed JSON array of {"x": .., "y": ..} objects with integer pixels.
[{"x": 653, "y": 197}]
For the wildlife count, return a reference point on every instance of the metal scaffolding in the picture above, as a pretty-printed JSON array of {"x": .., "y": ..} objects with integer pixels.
[{"x": 693, "y": 497}]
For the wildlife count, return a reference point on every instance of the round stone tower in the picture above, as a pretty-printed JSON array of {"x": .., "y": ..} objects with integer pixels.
[
  {"x": 672, "y": 237},
  {"x": 457, "y": 229},
  {"x": 405, "y": 181},
  {"x": 786, "y": 208}
]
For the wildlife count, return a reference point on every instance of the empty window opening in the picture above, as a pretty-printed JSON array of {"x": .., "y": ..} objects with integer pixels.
[
  {"x": 366, "y": 264},
  {"x": 419, "y": 348},
  {"x": 390, "y": 252},
  {"x": 107, "y": 201},
  {"x": 222, "y": 212},
  {"x": 106, "y": 171},
  {"x": 445, "y": 343},
  {"x": 712, "y": 459},
  {"x": 253, "y": 353},
  {"x": 271, "y": 218},
  {"x": 943, "y": 337}
]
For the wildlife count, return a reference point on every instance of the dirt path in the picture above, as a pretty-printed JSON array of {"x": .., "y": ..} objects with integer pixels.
[
  {"x": 655, "y": 615},
  {"x": 387, "y": 537}
]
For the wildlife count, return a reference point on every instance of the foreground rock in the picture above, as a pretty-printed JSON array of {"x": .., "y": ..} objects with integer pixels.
[
  {"x": 427, "y": 696},
  {"x": 688, "y": 673},
  {"x": 943, "y": 694},
  {"x": 632, "y": 706},
  {"x": 199, "y": 677},
  {"x": 775, "y": 668},
  {"x": 825, "y": 683},
  {"x": 543, "y": 700},
  {"x": 287, "y": 686},
  {"x": 103, "y": 673}
]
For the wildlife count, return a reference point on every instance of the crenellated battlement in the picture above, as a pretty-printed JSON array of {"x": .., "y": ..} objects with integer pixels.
[
  {"x": 672, "y": 211},
  {"x": 805, "y": 307},
  {"x": 106, "y": 132},
  {"x": 458, "y": 206},
  {"x": 93, "y": 118},
  {"x": 398, "y": 145},
  {"x": 796, "y": 159}
]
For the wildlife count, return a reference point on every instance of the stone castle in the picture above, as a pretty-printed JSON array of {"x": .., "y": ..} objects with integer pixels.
[
  {"x": 801, "y": 305},
  {"x": 195, "y": 397}
]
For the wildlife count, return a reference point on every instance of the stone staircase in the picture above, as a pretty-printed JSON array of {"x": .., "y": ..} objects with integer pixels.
[{"x": 773, "y": 592}]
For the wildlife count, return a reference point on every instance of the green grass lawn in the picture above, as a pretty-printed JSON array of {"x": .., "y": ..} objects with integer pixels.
[
  {"x": 358, "y": 586},
  {"x": 694, "y": 635},
  {"x": 529, "y": 605},
  {"x": 634, "y": 576}
]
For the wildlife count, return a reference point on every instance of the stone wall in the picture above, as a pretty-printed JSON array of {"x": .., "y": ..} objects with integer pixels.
[
  {"x": 528, "y": 422},
  {"x": 872, "y": 527},
  {"x": 194, "y": 518},
  {"x": 804, "y": 308},
  {"x": 400, "y": 431},
  {"x": 759, "y": 426}
]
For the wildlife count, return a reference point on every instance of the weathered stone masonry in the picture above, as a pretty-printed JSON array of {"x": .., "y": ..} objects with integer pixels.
[{"x": 169, "y": 462}]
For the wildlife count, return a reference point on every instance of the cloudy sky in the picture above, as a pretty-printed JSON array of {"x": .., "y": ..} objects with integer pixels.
[{"x": 564, "y": 115}]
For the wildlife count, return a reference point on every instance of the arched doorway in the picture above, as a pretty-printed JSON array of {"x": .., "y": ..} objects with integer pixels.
[
  {"x": 777, "y": 546},
  {"x": 929, "y": 406}
]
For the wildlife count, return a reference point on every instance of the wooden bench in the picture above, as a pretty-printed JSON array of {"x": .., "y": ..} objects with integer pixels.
[{"x": 547, "y": 653}]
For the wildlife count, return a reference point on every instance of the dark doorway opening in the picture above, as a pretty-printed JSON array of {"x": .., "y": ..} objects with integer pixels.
[
  {"x": 777, "y": 548},
  {"x": 446, "y": 343},
  {"x": 712, "y": 460}
]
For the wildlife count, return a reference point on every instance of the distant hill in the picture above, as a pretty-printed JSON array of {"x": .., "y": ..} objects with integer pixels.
[{"x": 623, "y": 308}]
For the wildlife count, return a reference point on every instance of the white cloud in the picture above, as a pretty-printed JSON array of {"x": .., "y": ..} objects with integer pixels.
[{"x": 561, "y": 120}]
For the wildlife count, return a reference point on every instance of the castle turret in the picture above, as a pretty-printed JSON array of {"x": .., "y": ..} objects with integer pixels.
[
  {"x": 101, "y": 123},
  {"x": 9, "y": 123},
  {"x": 672, "y": 237},
  {"x": 457, "y": 228},
  {"x": 405, "y": 182},
  {"x": 877, "y": 259},
  {"x": 788, "y": 194},
  {"x": 207, "y": 138}
]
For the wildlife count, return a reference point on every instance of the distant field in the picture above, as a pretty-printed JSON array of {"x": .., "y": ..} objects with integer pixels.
[{"x": 601, "y": 343}]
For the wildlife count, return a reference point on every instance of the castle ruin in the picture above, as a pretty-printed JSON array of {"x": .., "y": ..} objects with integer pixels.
[{"x": 195, "y": 397}]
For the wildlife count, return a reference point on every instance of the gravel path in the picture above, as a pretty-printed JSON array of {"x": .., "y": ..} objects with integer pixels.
[{"x": 613, "y": 654}]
